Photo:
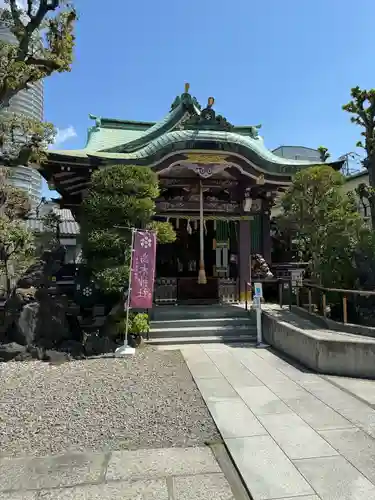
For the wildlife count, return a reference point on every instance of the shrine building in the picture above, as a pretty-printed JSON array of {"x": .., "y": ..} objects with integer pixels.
[{"x": 218, "y": 183}]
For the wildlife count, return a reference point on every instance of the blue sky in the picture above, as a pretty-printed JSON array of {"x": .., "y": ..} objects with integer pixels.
[{"x": 288, "y": 65}]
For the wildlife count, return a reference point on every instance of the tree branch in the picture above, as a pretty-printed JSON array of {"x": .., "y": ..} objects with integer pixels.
[
  {"x": 29, "y": 8},
  {"x": 16, "y": 16},
  {"x": 44, "y": 63},
  {"x": 34, "y": 24}
]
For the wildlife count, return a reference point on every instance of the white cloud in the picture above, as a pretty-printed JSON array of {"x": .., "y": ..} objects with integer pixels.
[{"x": 64, "y": 134}]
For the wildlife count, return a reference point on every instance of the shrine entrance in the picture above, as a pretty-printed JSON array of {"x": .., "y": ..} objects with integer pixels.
[{"x": 177, "y": 264}]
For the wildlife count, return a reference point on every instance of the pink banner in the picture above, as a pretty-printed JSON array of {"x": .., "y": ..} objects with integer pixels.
[{"x": 143, "y": 270}]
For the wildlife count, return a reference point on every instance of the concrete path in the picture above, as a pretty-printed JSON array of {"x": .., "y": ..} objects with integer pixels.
[
  {"x": 293, "y": 435},
  {"x": 163, "y": 474}
]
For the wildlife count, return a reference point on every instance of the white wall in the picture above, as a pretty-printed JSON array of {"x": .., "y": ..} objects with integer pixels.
[{"x": 297, "y": 153}]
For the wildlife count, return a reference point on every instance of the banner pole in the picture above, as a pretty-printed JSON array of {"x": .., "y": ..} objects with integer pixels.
[
  {"x": 126, "y": 349},
  {"x": 129, "y": 290}
]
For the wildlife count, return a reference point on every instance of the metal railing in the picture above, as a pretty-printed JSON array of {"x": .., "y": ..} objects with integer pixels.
[{"x": 322, "y": 297}]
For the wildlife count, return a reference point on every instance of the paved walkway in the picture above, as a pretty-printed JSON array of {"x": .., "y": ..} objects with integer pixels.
[
  {"x": 293, "y": 435},
  {"x": 163, "y": 474}
]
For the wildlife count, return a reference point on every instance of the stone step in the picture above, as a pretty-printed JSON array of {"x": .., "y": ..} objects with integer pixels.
[
  {"x": 203, "y": 331},
  {"x": 202, "y": 323},
  {"x": 208, "y": 339},
  {"x": 179, "y": 312}
]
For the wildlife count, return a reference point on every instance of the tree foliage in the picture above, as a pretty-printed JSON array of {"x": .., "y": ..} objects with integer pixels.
[
  {"x": 45, "y": 40},
  {"x": 43, "y": 43},
  {"x": 16, "y": 249},
  {"x": 14, "y": 202},
  {"x": 324, "y": 153},
  {"x": 362, "y": 109},
  {"x": 49, "y": 237},
  {"x": 326, "y": 224},
  {"x": 120, "y": 198},
  {"x": 23, "y": 140},
  {"x": 16, "y": 242}
]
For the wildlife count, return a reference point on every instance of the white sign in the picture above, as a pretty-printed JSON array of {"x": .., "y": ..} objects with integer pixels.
[
  {"x": 257, "y": 302},
  {"x": 258, "y": 290},
  {"x": 296, "y": 277}
]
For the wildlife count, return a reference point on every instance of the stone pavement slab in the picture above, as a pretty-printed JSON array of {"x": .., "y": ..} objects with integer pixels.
[
  {"x": 316, "y": 413},
  {"x": 356, "y": 446},
  {"x": 130, "y": 465},
  {"x": 266, "y": 470},
  {"x": 51, "y": 472},
  {"x": 151, "y": 474},
  {"x": 361, "y": 388},
  {"x": 296, "y": 438},
  {"x": 216, "y": 389},
  {"x": 333, "y": 478},
  {"x": 213, "y": 487},
  {"x": 235, "y": 373},
  {"x": 314, "y": 440},
  {"x": 142, "y": 490},
  {"x": 308, "y": 497},
  {"x": 234, "y": 419},
  {"x": 24, "y": 495},
  {"x": 262, "y": 401}
]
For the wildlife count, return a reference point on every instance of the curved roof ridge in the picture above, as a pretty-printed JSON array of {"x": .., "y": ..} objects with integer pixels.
[
  {"x": 231, "y": 143},
  {"x": 229, "y": 137},
  {"x": 185, "y": 106}
]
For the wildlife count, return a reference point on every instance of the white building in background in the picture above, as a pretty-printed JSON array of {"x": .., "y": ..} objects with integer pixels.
[
  {"x": 31, "y": 104},
  {"x": 297, "y": 153}
]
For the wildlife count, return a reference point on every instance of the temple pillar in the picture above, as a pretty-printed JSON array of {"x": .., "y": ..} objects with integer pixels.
[
  {"x": 256, "y": 238},
  {"x": 266, "y": 237},
  {"x": 244, "y": 258}
]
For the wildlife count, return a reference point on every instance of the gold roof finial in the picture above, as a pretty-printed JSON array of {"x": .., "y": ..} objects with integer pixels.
[{"x": 187, "y": 87}]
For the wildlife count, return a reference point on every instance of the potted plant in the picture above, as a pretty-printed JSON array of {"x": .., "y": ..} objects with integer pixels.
[{"x": 138, "y": 327}]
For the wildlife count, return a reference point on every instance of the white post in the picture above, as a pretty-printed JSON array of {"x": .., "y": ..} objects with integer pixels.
[
  {"x": 259, "y": 320},
  {"x": 202, "y": 273},
  {"x": 258, "y": 294},
  {"x": 126, "y": 349}
]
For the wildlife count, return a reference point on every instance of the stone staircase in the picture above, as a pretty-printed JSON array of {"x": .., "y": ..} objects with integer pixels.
[{"x": 184, "y": 324}]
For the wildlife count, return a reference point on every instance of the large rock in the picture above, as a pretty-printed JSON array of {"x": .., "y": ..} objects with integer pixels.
[
  {"x": 13, "y": 350},
  {"x": 40, "y": 273},
  {"x": 33, "y": 316},
  {"x": 96, "y": 345},
  {"x": 42, "y": 322},
  {"x": 24, "y": 330}
]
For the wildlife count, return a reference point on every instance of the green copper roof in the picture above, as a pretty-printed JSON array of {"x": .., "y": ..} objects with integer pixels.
[
  {"x": 109, "y": 135},
  {"x": 253, "y": 149},
  {"x": 182, "y": 110},
  {"x": 185, "y": 127},
  {"x": 104, "y": 138}
]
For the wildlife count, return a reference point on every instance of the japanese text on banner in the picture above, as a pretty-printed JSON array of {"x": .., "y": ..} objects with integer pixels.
[{"x": 143, "y": 270}]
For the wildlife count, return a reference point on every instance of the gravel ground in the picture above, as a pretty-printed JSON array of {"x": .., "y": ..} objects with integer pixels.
[{"x": 149, "y": 400}]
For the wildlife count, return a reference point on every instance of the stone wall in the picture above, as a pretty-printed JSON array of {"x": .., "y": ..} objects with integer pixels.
[
  {"x": 330, "y": 324},
  {"x": 323, "y": 351}
]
